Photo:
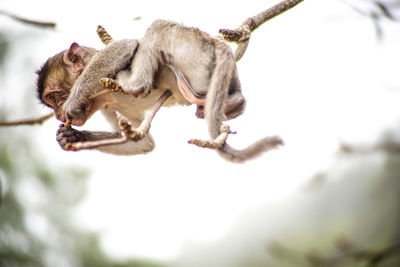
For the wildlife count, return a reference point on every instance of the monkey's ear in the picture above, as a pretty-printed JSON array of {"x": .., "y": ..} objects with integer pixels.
[{"x": 76, "y": 57}]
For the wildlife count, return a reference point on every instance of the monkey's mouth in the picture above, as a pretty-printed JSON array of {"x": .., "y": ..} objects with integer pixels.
[
  {"x": 81, "y": 115},
  {"x": 75, "y": 119},
  {"x": 77, "y": 122},
  {"x": 68, "y": 120}
]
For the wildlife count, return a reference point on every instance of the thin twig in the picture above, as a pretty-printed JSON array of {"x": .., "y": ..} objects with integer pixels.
[
  {"x": 241, "y": 35},
  {"x": 369, "y": 257},
  {"x": 39, "y": 120},
  {"x": 29, "y": 21}
]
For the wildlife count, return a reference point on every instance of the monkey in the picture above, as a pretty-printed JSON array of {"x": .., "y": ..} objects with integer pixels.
[{"x": 195, "y": 67}]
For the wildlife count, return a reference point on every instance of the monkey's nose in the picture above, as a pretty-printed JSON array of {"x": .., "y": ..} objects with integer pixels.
[
  {"x": 75, "y": 120},
  {"x": 60, "y": 115}
]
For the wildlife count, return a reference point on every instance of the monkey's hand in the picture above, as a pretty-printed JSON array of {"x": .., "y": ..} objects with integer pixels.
[
  {"x": 74, "y": 140},
  {"x": 67, "y": 136}
]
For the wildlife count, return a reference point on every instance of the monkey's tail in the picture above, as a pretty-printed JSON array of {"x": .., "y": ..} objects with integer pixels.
[
  {"x": 252, "y": 151},
  {"x": 217, "y": 93}
]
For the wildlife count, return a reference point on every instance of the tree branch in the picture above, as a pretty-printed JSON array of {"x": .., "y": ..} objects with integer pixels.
[
  {"x": 29, "y": 21},
  {"x": 241, "y": 35},
  {"x": 371, "y": 258},
  {"x": 39, "y": 120}
]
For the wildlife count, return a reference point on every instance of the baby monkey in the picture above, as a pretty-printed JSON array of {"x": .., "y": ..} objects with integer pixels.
[{"x": 172, "y": 64}]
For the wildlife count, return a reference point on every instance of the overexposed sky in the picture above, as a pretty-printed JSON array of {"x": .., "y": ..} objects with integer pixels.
[{"x": 315, "y": 76}]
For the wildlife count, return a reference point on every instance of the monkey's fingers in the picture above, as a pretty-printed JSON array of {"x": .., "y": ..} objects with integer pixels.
[
  {"x": 111, "y": 86},
  {"x": 127, "y": 129},
  {"x": 217, "y": 143}
]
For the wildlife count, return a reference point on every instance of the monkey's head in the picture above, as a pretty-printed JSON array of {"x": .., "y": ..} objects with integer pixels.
[{"x": 57, "y": 76}]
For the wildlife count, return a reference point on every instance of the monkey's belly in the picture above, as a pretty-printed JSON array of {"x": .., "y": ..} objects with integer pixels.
[{"x": 166, "y": 78}]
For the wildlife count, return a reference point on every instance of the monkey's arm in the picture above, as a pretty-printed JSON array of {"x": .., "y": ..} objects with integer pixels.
[
  {"x": 124, "y": 142},
  {"x": 107, "y": 142},
  {"x": 68, "y": 135},
  {"x": 106, "y": 63}
]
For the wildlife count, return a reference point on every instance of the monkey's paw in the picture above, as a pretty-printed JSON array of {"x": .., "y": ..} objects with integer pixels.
[
  {"x": 128, "y": 130},
  {"x": 218, "y": 142},
  {"x": 67, "y": 136}
]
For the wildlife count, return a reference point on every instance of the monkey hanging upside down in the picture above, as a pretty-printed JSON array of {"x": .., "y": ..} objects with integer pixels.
[{"x": 172, "y": 64}]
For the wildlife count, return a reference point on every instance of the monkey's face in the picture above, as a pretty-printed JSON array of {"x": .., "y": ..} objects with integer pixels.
[
  {"x": 55, "y": 98},
  {"x": 58, "y": 75},
  {"x": 54, "y": 83},
  {"x": 78, "y": 112}
]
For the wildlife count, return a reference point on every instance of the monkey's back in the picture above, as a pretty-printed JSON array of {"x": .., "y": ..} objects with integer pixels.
[{"x": 188, "y": 49}]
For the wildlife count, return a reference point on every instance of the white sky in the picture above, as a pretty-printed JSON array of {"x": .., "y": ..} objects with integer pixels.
[{"x": 315, "y": 75}]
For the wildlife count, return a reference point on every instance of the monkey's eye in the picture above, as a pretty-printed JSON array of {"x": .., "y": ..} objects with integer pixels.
[{"x": 50, "y": 100}]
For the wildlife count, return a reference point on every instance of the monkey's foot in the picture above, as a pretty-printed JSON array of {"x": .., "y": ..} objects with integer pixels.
[
  {"x": 127, "y": 130},
  {"x": 238, "y": 35},
  {"x": 217, "y": 143}
]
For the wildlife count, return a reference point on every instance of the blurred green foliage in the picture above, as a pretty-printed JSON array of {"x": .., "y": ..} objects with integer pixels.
[
  {"x": 35, "y": 213},
  {"x": 3, "y": 47},
  {"x": 37, "y": 199}
]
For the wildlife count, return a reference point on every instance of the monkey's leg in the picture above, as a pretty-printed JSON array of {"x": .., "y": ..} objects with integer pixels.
[
  {"x": 233, "y": 107},
  {"x": 141, "y": 78},
  {"x": 217, "y": 143},
  {"x": 116, "y": 140},
  {"x": 140, "y": 132},
  {"x": 128, "y": 132}
]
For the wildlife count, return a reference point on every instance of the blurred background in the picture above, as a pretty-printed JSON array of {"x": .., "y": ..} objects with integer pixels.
[{"x": 324, "y": 76}]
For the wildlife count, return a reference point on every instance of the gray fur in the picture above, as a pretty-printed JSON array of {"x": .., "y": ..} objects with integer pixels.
[
  {"x": 98, "y": 67},
  {"x": 168, "y": 55}
]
